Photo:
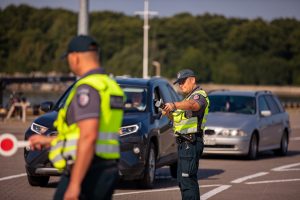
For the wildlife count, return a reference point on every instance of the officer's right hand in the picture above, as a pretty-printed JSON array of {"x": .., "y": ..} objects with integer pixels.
[
  {"x": 169, "y": 107},
  {"x": 37, "y": 142}
]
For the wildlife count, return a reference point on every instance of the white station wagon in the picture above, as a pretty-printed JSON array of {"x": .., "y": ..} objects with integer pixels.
[{"x": 245, "y": 123}]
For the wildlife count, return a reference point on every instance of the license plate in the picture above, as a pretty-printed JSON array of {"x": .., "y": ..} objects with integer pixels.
[{"x": 209, "y": 141}]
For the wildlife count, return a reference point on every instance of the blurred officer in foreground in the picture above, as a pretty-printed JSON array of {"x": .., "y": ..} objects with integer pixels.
[
  {"x": 86, "y": 147},
  {"x": 189, "y": 117}
]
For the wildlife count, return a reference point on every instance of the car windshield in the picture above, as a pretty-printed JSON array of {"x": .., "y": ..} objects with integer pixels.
[
  {"x": 232, "y": 104},
  {"x": 61, "y": 101},
  {"x": 135, "y": 100}
]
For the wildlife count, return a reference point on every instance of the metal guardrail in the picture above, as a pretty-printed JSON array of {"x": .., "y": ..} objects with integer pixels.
[
  {"x": 49, "y": 79},
  {"x": 291, "y": 104}
]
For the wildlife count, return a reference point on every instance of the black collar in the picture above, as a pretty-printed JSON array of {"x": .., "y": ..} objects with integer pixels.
[{"x": 196, "y": 88}]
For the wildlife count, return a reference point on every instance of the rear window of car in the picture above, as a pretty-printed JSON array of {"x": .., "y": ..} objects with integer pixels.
[{"x": 232, "y": 104}]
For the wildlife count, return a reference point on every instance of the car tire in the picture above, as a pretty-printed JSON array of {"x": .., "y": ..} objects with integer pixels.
[
  {"x": 173, "y": 170},
  {"x": 149, "y": 175},
  {"x": 38, "y": 180},
  {"x": 282, "y": 151},
  {"x": 253, "y": 147}
]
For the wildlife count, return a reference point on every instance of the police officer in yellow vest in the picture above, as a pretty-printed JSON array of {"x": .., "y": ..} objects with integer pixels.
[
  {"x": 86, "y": 148},
  {"x": 189, "y": 117}
]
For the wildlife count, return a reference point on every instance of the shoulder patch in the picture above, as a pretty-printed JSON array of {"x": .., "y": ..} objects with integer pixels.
[
  {"x": 196, "y": 97},
  {"x": 83, "y": 97}
]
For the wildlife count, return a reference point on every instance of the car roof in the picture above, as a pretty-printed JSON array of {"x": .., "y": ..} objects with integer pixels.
[
  {"x": 252, "y": 93},
  {"x": 141, "y": 82}
]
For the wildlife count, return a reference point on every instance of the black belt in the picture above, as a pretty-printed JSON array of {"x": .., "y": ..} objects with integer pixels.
[{"x": 197, "y": 134}]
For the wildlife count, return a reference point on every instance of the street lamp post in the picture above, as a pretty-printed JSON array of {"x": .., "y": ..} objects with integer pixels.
[
  {"x": 83, "y": 18},
  {"x": 146, "y": 28}
]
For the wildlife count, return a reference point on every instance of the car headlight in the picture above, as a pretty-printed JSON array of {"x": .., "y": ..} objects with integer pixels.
[
  {"x": 232, "y": 132},
  {"x": 126, "y": 130},
  {"x": 39, "y": 129}
]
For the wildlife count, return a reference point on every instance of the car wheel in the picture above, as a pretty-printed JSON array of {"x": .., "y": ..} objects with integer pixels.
[
  {"x": 149, "y": 176},
  {"x": 282, "y": 151},
  {"x": 173, "y": 170},
  {"x": 253, "y": 148},
  {"x": 38, "y": 180}
]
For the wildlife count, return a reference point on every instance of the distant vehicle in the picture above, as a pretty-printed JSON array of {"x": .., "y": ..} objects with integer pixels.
[
  {"x": 146, "y": 138},
  {"x": 245, "y": 123}
]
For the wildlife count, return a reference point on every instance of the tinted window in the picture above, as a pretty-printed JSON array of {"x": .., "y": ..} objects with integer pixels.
[
  {"x": 278, "y": 104},
  {"x": 173, "y": 94},
  {"x": 61, "y": 102},
  {"x": 272, "y": 104},
  {"x": 232, "y": 103},
  {"x": 262, "y": 104},
  {"x": 165, "y": 93}
]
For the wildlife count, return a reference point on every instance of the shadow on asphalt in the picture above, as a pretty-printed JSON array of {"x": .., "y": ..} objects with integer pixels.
[
  {"x": 261, "y": 155},
  {"x": 164, "y": 180}
]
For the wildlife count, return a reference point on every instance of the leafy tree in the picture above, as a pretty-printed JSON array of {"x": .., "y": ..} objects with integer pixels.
[{"x": 219, "y": 49}]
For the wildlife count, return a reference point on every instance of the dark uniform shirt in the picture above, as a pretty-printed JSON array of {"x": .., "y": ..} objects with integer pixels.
[
  {"x": 86, "y": 101},
  {"x": 200, "y": 99}
]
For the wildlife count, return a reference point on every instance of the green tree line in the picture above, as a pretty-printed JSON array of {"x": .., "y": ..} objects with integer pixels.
[{"x": 219, "y": 49}]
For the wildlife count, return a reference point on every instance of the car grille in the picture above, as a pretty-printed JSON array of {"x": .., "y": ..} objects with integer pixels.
[{"x": 209, "y": 132}]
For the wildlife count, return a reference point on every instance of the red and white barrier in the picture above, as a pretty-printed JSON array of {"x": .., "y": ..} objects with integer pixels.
[{"x": 9, "y": 144}]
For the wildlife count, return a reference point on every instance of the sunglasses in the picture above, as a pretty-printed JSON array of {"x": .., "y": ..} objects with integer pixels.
[{"x": 181, "y": 82}]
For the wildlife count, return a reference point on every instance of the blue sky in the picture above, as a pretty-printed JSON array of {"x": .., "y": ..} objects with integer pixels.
[{"x": 266, "y": 9}]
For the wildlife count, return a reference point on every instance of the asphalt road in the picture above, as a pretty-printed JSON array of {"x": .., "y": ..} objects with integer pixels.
[{"x": 220, "y": 177}]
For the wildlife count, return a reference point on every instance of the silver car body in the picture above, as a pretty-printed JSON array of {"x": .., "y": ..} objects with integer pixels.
[{"x": 230, "y": 132}]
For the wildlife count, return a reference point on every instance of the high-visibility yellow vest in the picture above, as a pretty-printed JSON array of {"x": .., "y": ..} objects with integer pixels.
[
  {"x": 64, "y": 147},
  {"x": 185, "y": 125}
]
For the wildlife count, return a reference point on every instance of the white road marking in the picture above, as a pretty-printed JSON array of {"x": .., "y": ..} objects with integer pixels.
[
  {"x": 273, "y": 181},
  {"x": 159, "y": 190},
  {"x": 287, "y": 168},
  {"x": 295, "y": 138},
  {"x": 240, "y": 180},
  {"x": 12, "y": 177},
  {"x": 215, "y": 191}
]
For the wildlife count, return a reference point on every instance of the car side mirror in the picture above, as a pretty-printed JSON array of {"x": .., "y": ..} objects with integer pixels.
[
  {"x": 47, "y": 106},
  {"x": 265, "y": 113}
]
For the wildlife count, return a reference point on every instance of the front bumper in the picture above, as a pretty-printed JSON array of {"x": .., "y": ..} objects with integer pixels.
[
  {"x": 133, "y": 157},
  {"x": 226, "y": 145},
  {"x": 131, "y": 165}
]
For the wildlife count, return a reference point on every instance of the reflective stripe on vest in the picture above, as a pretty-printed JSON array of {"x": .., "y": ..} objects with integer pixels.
[
  {"x": 185, "y": 125},
  {"x": 107, "y": 145}
]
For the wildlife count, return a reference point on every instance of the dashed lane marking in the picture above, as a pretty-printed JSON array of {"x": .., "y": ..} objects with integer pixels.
[
  {"x": 287, "y": 168},
  {"x": 242, "y": 179},
  {"x": 12, "y": 177},
  {"x": 159, "y": 190},
  {"x": 295, "y": 138},
  {"x": 273, "y": 181},
  {"x": 215, "y": 191}
]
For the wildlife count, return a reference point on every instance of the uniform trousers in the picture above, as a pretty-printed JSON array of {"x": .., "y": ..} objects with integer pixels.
[
  {"x": 189, "y": 154},
  {"x": 99, "y": 182}
]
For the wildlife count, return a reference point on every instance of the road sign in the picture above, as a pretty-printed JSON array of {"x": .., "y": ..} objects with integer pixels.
[{"x": 9, "y": 144}]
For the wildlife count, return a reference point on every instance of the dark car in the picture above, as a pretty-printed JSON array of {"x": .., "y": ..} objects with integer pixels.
[{"x": 146, "y": 137}]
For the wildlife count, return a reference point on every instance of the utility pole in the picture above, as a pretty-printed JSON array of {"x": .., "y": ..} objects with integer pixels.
[
  {"x": 146, "y": 28},
  {"x": 83, "y": 18},
  {"x": 156, "y": 64}
]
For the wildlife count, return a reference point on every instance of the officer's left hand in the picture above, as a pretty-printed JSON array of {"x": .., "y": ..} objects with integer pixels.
[{"x": 72, "y": 192}]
